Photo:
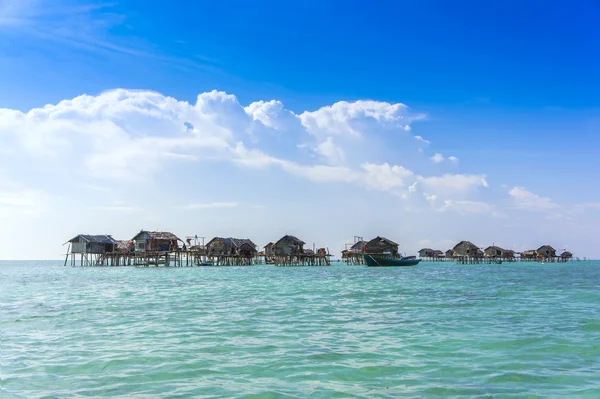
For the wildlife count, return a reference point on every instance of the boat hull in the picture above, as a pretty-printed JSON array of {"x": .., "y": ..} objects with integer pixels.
[{"x": 382, "y": 261}]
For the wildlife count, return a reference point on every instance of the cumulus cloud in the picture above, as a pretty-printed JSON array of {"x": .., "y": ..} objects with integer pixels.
[
  {"x": 453, "y": 159},
  {"x": 386, "y": 177},
  {"x": 331, "y": 152},
  {"x": 524, "y": 199},
  {"x": 354, "y": 119},
  {"x": 437, "y": 158},
  {"x": 131, "y": 136}
]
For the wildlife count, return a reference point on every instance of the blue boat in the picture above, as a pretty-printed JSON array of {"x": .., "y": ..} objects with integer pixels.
[{"x": 385, "y": 261}]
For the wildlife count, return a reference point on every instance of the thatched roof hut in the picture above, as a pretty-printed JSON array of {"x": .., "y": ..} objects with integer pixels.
[
  {"x": 566, "y": 255},
  {"x": 468, "y": 249},
  {"x": 381, "y": 246},
  {"x": 546, "y": 251},
  {"x": 156, "y": 241},
  {"x": 289, "y": 245},
  {"x": 92, "y": 244},
  {"x": 229, "y": 246},
  {"x": 426, "y": 253},
  {"x": 449, "y": 254}
]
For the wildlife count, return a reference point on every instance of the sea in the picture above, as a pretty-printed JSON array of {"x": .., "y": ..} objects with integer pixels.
[{"x": 438, "y": 330}]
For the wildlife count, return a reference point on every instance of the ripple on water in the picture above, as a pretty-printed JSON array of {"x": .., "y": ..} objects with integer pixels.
[{"x": 436, "y": 331}]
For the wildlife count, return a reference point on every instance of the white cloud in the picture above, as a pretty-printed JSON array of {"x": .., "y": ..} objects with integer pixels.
[
  {"x": 386, "y": 177},
  {"x": 526, "y": 200},
  {"x": 437, "y": 158},
  {"x": 453, "y": 183},
  {"x": 331, "y": 152},
  {"x": 344, "y": 118},
  {"x": 211, "y": 205},
  {"x": 467, "y": 206},
  {"x": 453, "y": 159},
  {"x": 421, "y": 139}
]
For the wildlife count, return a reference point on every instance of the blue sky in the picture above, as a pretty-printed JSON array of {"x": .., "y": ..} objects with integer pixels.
[{"x": 510, "y": 90}]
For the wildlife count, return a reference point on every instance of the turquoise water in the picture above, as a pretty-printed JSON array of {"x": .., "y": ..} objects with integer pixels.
[{"x": 436, "y": 330}]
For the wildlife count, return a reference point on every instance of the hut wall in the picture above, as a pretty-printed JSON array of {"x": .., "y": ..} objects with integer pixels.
[
  {"x": 220, "y": 247},
  {"x": 141, "y": 242},
  {"x": 246, "y": 250},
  {"x": 269, "y": 250},
  {"x": 546, "y": 251},
  {"x": 96, "y": 248},
  {"x": 380, "y": 247},
  {"x": 426, "y": 253},
  {"x": 493, "y": 251},
  {"x": 78, "y": 247}
]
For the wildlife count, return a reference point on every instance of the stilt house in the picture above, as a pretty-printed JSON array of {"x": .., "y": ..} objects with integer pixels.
[
  {"x": 92, "y": 244},
  {"x": 289, "y": 246},
  {"x": 161, "y": 241},
  {"x": 382, "y": 246},
  {"x": 467, "y": 249}
]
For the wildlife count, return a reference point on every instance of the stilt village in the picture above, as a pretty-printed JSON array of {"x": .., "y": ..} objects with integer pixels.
[{"x": 160, "y": 248}]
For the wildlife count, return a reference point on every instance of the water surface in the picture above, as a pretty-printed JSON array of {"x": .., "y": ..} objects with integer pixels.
[{"x": 436, "y": 330}]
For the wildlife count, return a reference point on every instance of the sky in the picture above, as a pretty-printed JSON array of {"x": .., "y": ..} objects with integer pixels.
[{"x": 427, "y": 122}]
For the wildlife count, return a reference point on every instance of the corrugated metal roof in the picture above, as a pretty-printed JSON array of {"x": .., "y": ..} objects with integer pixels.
[{"x": 96, "y": 239}]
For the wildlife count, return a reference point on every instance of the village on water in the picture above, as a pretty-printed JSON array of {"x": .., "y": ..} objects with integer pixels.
[{"x": 161, "y": 248}]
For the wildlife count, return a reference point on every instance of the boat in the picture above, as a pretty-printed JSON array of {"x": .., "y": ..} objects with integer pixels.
[{"x": 382, "y": 261}]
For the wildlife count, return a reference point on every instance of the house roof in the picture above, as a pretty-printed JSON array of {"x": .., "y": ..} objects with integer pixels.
[
  {"x": 468, "y": 243},
  {"x": 387, "y": 241},
  {"x": 238, "y": 242},
  {"x": 96, "y": 239},
  {"x": 234, "y": 242},
  {"x": 158, "y": 235},
  {"x": 269, "y": 245},
  {"x": 352, "y": 251},
  {"x": 292, "y": 238},
  {"x": 496, "y": 248},
  {"x": 359, "y": 245},
  {"x": 438, "y": 252},
  {"x": 546, "y": 247},
  {"x": 426, "y": 249},
  {"x": 566, "y": 254}
]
